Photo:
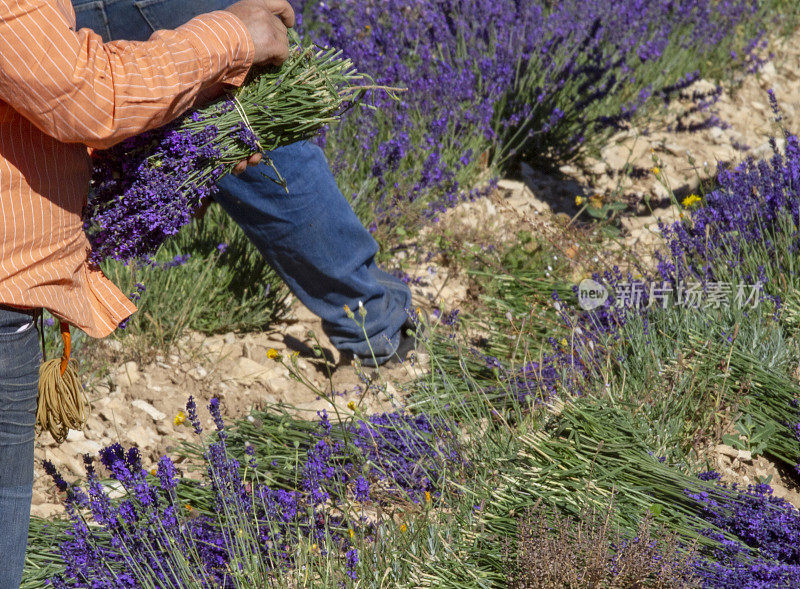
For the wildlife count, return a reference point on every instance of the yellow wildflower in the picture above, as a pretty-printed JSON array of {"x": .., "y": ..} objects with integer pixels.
[
  {"x": 656, "y": 170},
  {"x": 403, "y": 528},
  {"x": 579, "y": 200},
  {"x": 348, "y": 312},
  {"x": 352, "y": 534},
  {"x": 273, "y": 354},
  {"x": 153, "y": 471},
  {"x": 188, "y": 507},
  {"x": 180, "y": 418},
  {"x": 564, "y": 342},
  {"x": 427, "y": 497},
  {"x": 690, "y": 201},
  {"x": 596, "y": 201},
  {"x": 315, "y": 548},
  {"x": 351, "y": 405}
]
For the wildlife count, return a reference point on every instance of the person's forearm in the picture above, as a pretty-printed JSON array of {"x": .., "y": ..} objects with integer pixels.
[{"x": 75, "y": 88}]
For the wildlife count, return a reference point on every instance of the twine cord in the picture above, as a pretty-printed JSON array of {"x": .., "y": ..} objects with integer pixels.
[
  {"x": 243, "y": 114},
  {"x": 62, "y": 403}
]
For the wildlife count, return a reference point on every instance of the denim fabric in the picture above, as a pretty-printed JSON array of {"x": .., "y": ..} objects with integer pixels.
[
  {"x": 310, "y": 236},
  {"x": 20, "y": 357}
]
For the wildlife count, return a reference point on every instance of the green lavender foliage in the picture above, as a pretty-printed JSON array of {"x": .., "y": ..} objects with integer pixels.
[{"x": 213, "y": 291}]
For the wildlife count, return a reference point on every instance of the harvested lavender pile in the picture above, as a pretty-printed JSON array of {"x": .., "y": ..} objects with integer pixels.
[{"x": 147, "y": 187}]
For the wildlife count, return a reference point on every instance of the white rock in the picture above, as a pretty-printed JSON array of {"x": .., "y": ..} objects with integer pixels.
[
  {"x": 149, "y": 409},
  {"x": 86, "y": 447},
  {"x": 309, "y": 409},
  {"x": 298, "y": 331},
  {"x": 287, "y": 389},
  {"x": 213, "y": 345},
  {"x": 568, "y": 170},
  {"x": 717, "y": 135},
  {"x": 389, "y": 393},
  {"x": 674, "y": 149},
  {"x": 144, "y": 437},
  {"x": 75, "y": 435},
  {"x": 127, "y": 374},
  {"x": 660, "y": 190},
  {"x": 726, "y": 450},
  {"x": 198, "y": 372},
  {"x": 229, "y": 338},
  {"x": 768, "y": 71},
  {"x": 598, "y": 168},
  {"x": 702, "y": 87},
  {"x": 112, "y": 414},
  {"x": 745, "y": 455},
  {"x": 46, "y": 510},
  {"x": 247, "y": 371},
  {"x": 63, "y": 459},
  {"x": 113, "y": 344},
  {"x": 114, "y": 489}
]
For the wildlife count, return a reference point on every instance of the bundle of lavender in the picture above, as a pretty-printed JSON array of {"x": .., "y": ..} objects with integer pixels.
[{"x": 147, "y": 187}]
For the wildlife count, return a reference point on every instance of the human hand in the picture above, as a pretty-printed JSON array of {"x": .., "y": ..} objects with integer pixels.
[
  {"x": 267, "y": 22},
  {"x": 242, "y": 165}
]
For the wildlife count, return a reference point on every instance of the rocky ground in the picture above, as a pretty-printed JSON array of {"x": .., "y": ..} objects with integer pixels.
[{"x": 136, "y": 404}]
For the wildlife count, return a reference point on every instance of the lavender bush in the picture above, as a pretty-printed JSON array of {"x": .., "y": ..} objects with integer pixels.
[
  {"x": 239, "y": 531},
  {"x": 502, "y": 81},
  {"x": 764, "y": 525}
]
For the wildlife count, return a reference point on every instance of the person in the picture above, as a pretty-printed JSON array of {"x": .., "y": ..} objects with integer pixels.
[
  {"x": 63, "y": 89},
  {"x": 310, "y": 236}
]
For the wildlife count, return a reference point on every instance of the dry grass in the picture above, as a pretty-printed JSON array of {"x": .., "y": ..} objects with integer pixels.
[{"x": 554, "y": 551}]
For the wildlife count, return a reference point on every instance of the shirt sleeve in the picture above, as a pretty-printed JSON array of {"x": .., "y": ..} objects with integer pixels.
[{"x": 77, "y": 89}]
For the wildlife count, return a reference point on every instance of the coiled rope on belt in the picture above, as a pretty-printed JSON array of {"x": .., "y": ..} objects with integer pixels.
[{"x": 62, "y": 404}]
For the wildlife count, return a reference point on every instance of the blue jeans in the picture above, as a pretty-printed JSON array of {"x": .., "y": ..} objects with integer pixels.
[
  {"x": 310, "y": 236},
  {"x": 20, "y": 357}
]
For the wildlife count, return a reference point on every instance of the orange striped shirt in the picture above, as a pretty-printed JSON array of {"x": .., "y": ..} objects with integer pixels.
[{"x": 60, "y": 91}]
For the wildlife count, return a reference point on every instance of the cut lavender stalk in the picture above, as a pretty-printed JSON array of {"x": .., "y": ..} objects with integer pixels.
[{"x": 147, "y": 187}]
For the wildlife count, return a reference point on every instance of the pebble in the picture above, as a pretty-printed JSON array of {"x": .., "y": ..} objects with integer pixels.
[
  {"x": 198, "y": 372},
  {"x": 127, "y": 374},
  {"x": 149, "y": 409},
  {"x": 726, "y": 450},
  {"x": 144, "y": 437},
  {"x": 247, "y": 372},
  {"x": 46, "y": 510}
]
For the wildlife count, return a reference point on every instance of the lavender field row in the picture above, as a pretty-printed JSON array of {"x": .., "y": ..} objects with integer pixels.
[{"x": 578, "y": 413}]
